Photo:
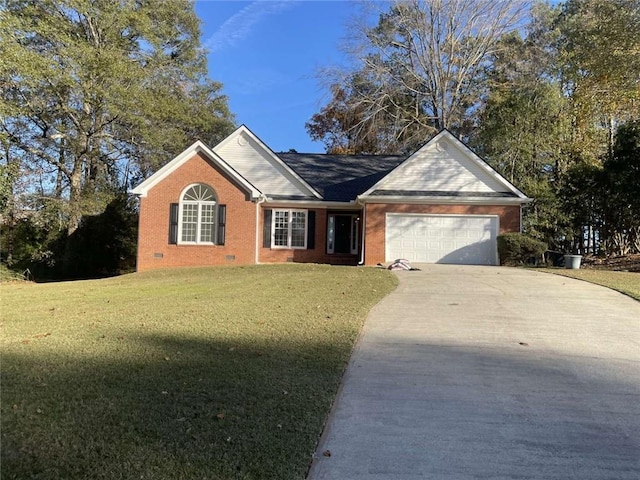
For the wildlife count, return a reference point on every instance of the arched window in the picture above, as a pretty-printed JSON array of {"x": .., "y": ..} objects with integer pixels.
[{"x": 198, "y": 215}]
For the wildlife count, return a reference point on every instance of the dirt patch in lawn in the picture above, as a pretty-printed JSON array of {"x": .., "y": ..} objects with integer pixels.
[{"x": 621, "y": 263}]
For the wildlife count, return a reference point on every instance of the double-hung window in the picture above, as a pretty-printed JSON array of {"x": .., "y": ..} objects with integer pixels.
[
  {"x": 289, "y": 228},
  {"x": 198, "y": 215}
]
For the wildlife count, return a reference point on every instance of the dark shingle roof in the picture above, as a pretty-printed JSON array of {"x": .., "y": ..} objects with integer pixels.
[{"x": 341, "y": 178}]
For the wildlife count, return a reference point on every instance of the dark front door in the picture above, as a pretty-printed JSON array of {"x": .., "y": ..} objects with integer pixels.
[{"x": 343, "y": 234}]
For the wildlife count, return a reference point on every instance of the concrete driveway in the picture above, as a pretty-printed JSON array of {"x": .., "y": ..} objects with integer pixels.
[{"x": 490, "y": 373}]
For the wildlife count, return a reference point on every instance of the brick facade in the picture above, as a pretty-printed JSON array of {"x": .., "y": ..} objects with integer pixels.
[
  {"x": 376, "y": 215},
  {"x": 316, "y": 255},
  {"x": 154, "y": 250}
]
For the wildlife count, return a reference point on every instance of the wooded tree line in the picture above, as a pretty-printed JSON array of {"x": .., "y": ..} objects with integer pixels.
[
  {"x": 96, "y": 94},
  {"x": 548, "y": 95}
]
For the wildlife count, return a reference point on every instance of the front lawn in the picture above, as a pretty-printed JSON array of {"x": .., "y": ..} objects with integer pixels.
[
  {"x": 625, "y": 282},
  {"x": 207, "y": 373}
]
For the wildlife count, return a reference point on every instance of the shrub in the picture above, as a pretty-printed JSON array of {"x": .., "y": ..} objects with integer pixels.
[{"x": 519, "y": 249}]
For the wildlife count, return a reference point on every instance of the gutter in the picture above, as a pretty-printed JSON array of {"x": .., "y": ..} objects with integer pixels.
[
  {"x": 364, "y": 227},
  {"x": 310, "y": 204},
  {"x": 448, "y": 200}
]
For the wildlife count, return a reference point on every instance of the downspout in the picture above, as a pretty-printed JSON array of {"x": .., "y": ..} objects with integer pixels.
[
  {"x": 261, "y": 199},
  {"x": 364, "y": 227},
  {"x": 521, "y": 230}
]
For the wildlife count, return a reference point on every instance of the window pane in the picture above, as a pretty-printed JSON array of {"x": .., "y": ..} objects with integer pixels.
[
  {"x": 280, "y": 228},
  {"x": 200, "y": 193},
  {"x": 189, "y": 222},
  {"x": 298, "y": 228},
  {"x": 207, "y": 222}
]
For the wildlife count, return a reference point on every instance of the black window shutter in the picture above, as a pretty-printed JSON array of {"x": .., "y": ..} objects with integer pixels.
[
  {"x": 222, "y": 224},
  {"x": 311, "y": 230},
  {"x": 266, "y": 228},
  {"x": 173, "y": 223}
]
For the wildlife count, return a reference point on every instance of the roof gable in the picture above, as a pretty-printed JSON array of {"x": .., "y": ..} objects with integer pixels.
[
  {"x": 198, "y": 147},
  {"x": 444, "y": 166},
  {"x": 250, "y": 157}
]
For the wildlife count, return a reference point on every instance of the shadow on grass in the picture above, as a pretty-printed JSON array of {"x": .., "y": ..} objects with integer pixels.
[
  {"x": 186, "y": 408},
  {"x": 178, "y": 408}
]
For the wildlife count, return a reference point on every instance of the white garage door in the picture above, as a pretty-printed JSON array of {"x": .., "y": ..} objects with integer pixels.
[{"x": 461, "y": 239}]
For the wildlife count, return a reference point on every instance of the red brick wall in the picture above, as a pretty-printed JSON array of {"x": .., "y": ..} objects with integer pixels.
[
  {"x": 375, "y": 221},
  {"x": 153, "y": 237},
  {"x": 317, "y": 255}
]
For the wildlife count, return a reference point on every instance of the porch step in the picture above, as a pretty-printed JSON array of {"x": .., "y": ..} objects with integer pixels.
[{"x": 343, "y": 259}]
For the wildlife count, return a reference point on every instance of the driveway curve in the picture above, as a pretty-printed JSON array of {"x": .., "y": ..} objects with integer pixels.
[{"x": 470, "y": 372}]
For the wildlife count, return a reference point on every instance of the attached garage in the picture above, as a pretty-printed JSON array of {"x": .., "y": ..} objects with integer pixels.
[{"x": 457, "y": 239}]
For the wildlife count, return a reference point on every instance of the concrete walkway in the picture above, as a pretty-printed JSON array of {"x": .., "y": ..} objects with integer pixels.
[{"x": 490, "y": 373}]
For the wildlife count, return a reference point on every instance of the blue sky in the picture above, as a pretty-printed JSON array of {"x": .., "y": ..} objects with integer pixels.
[{"x": 267, "y": 54}]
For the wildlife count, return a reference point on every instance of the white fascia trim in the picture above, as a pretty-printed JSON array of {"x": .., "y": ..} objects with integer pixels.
[
  {"x": 444, "y": 200},
  {"x": 244, "y": 129},
  {"x": 461, "y": 146},
  {"x": 197, "y": 147},
  {"x": 310, "y": 204}
]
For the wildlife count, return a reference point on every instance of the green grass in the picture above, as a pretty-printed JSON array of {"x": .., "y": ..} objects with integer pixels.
[
  {"x": 207, "y": 373},
  {"x": 624, "y": 282}
]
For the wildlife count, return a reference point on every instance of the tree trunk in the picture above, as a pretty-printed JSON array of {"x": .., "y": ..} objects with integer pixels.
[{"x": 75, "y": 198}]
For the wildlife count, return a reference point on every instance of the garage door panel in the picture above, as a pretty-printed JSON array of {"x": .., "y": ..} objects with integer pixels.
[{"x": 461, "y": 239}]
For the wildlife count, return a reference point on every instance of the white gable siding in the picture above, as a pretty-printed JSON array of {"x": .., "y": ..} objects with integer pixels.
[
  {"x": 442, "y": 166},
  {"x": 255, "y": 164}
]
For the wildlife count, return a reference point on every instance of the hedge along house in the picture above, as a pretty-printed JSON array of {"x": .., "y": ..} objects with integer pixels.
[{"x": 241, "y": 203}]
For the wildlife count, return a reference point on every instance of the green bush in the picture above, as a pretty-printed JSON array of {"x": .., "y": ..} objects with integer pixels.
[
  {"x": 8, "y": 275},
  {"x": 519, "y": 249}
]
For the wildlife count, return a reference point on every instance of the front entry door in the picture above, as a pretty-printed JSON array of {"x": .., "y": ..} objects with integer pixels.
[{"x": 342, "y": 233}]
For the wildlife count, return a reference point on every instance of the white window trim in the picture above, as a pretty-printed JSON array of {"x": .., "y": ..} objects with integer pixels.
[
  {"x": 273, "y": 228},
  {"x": 199, "y": 203}
]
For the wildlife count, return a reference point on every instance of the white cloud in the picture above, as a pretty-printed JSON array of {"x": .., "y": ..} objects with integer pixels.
[{"x": 240, "y": 25}]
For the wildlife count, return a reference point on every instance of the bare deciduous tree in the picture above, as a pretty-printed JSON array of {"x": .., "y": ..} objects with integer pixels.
[{"x": 423, "y": 69}]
